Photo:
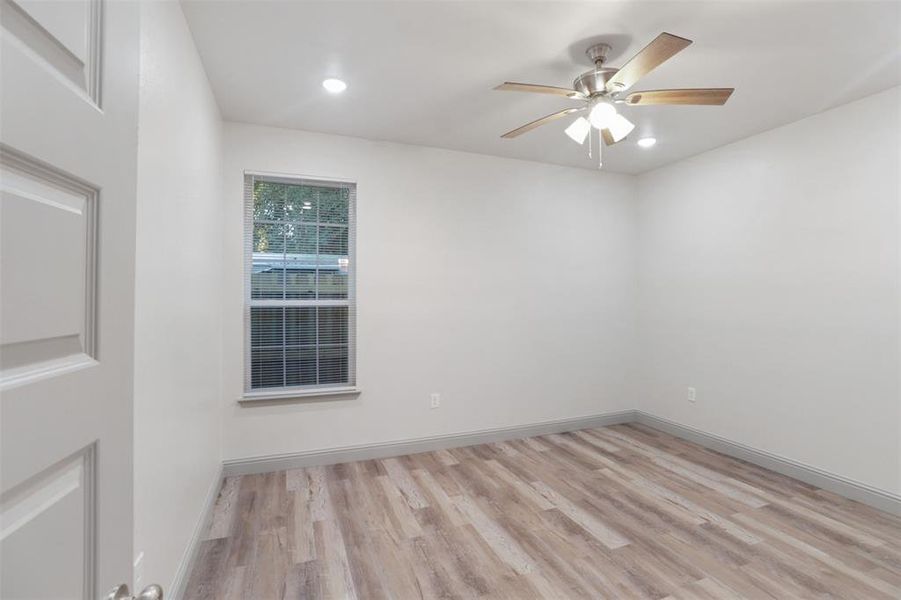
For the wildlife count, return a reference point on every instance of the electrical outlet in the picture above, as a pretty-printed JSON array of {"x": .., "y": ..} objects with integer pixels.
[
  {"x": 435, "y": 400},
  {"x": 692, "y": 394},
  {"x": 139, "y": 571}
]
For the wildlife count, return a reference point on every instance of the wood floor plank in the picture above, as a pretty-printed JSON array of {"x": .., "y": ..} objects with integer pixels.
[
  {"x": 616, "y": 512},
  {"x": 302, "y": 581},
  {"x": 401, "y": 477},
  {"x": 337, "y": 579},
  {"x": 520, "y": 486},
  {"x": 303, "y": 542},
  {"x": 503, "y": 544},
  {"x": 437, "y": 498},
  {"x": 535, "y": 444},
  {"x": 604, "y": 533},
  {"x": 265, "y": 576},
  {"x": 204, "y": 582},
  {"x": 401, "y": 514},
  {"x": 875, "y": 586},
  {"x": 446, "y": 458},
  {"x": 320, "y": 502},
  {"x": 225, "y": 509}
]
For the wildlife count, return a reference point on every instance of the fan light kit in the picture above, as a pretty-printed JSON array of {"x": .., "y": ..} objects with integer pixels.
[
  {"x": 601, "y": 89},
  {"x": 601, "y": 114},
  {"x": 335, "y": 86}
]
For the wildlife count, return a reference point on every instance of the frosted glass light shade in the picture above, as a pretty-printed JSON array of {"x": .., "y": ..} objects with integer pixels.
[
  {"x": 578, "y": 131},
  {"x": 619, "y": 127},
  {"x": 602, "y": 114}
]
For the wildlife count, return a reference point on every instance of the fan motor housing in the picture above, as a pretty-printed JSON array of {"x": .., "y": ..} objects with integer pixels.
[{"x": 593, "y": 83}]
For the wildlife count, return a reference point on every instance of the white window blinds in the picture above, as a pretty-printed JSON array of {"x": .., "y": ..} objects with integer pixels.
[{"x": 299, "y": 284}]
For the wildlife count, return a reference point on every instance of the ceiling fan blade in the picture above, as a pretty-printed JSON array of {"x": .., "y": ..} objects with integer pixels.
[
  {"x": 511, "y": 86},
  {"x": 708, "y": 96},
  {"x": 664, "y": 46},
  {"x": 608, "y": 137},
  {"x": 539, "y": 122}
]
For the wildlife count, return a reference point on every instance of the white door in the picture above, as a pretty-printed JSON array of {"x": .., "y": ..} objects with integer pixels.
[{"x": 69, "y": 79}]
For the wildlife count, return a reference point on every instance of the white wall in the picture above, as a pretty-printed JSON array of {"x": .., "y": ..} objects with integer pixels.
[
  {"x": 507, "y": 286},
  {"x": 177, "y": 321},
  {"x": 769, "y": 280}
]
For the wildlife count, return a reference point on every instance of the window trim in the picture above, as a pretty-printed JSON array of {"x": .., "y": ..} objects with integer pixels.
[
  {"x": 349, "y": 387},
  {"x": 298, "y": 393}
]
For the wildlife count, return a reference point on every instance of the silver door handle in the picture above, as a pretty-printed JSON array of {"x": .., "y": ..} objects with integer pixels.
[{"x": 120, "y": 592}]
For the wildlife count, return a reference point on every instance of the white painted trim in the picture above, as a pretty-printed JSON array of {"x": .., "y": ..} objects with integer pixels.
[
  {"x": 329, "y": 456},
  {"x": 831, "y": 482},
  {"x": 189, "y": 558},
  {"x": 350, "y": 302},
  {"x": 29, "y": 374},
  {"x": 42, "y": 366},
  {"x": 292, "y": 177},
  {"x": 298, "y": 394}
]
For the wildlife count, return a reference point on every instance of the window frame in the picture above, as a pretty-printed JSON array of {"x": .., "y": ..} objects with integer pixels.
[{"x": 299, "y": 391}]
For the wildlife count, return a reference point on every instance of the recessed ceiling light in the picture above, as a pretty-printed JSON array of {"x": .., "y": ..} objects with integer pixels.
[
  {"x": 335, "y": 86},
  {"x": 647, "y": 142}
]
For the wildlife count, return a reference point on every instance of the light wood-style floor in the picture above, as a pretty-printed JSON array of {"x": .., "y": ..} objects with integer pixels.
[{"x": 616, "y": 512}]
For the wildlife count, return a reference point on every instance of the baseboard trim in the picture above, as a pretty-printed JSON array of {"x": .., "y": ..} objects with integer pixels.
[
  {"x": 186, "y": 565},
  {"x": 831, "y": 482},
  {"x": 331, "y": 456},
  {"x": 843, "y": 486}
]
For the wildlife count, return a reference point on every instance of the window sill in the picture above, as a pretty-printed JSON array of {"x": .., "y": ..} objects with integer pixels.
[{"x": 251, "y": 397}]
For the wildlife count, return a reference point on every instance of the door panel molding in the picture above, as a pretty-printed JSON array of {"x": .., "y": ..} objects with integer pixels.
[
  {"x": 77, "y": 63},
  {"x": 66, "y": 488},
  {"x": 57, "y": 280}
]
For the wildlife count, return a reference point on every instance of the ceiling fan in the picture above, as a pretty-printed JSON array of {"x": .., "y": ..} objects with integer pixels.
[{"x": 602, "y": 88}]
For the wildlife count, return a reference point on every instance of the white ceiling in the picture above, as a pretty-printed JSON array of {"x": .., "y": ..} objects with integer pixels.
[{"x": 422, "y": 72}]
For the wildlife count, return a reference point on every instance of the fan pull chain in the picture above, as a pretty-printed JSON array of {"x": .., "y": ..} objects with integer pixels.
[
  {"x": 589, "y": 143},
  {"x": 600, "y": 153}
]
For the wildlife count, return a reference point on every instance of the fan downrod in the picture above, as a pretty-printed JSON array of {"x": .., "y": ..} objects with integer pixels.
[
  {"x": 592, "y": 83},
  {"x": 598, "y": 53}
]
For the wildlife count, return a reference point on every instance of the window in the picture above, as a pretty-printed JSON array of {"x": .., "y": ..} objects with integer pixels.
[{"x": 299, "y": 313}]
